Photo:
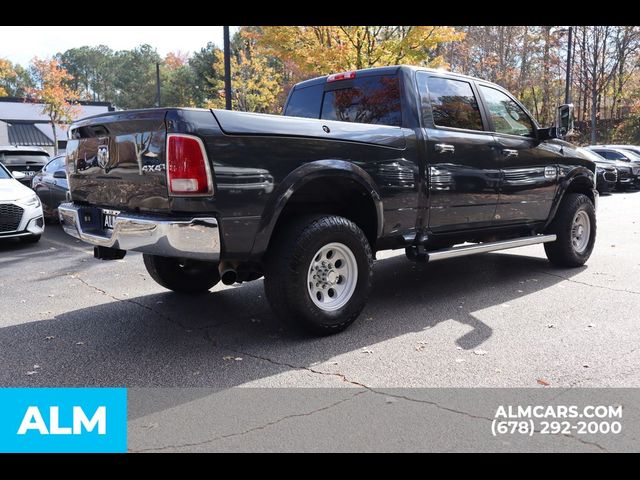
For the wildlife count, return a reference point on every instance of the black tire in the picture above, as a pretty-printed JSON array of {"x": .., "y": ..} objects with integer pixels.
[
  {"x": 184, "y": 276},
  {"x": 30, "y": 239},
  {"x": 287, "y": 264},
  {"x": 562, "y": 252}
]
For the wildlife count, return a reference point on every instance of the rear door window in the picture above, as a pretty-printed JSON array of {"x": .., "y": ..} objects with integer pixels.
[{"x": 373, "y": 99}]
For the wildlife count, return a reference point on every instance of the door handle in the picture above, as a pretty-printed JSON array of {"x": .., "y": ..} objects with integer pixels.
[
  {"x": 444, "y": 148},
  {"x": 508, "y": 152}
]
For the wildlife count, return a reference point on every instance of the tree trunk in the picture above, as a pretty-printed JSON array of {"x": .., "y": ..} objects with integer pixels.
[
  {"x": 55, "y": 139},
  {"x": 585, "y": 73},
  {"x": 546, "y": 90},
  {"x": 594, "y": 108},
  {"x": 524, "y": 65}
]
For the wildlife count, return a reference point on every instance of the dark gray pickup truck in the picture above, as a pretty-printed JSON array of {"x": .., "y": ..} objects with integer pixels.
[{"x": 440, "y": 164}]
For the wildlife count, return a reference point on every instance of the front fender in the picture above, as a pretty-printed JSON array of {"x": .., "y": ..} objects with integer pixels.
[
  {"x": 573, "y": 178},
  {"x": 299, "y": 177}
]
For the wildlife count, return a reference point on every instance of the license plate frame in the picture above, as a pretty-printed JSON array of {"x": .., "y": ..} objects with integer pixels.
[{"x": 108, "y": 218}]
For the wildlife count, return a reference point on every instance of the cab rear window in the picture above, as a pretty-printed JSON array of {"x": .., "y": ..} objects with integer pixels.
[
  {"x": 368, "y": 100},
  {"x": 371, "y": 99}
]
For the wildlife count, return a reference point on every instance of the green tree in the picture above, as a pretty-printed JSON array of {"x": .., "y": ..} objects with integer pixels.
[
  {"x": 135, "y": 77},
  {"x": 208, "y": 71},
  {"x": 177, "y": 81},
  {"x": 91, "y": 71},
  {"x": 15, "y": 80}
]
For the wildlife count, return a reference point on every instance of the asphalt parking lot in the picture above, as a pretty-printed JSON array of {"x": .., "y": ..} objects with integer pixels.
[{"x": 494, "y": 320}]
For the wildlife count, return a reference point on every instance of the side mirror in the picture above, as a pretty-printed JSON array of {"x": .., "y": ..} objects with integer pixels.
[
  {"x": 564, "y": 120},
  {"x": 18, "y": 175},
  {"x": 60, "y": 174}
]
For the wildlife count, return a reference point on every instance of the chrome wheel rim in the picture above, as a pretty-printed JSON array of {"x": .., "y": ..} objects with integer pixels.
[
  {"x": 580, "y": 231},
  {"x": 332, "y": 276}
]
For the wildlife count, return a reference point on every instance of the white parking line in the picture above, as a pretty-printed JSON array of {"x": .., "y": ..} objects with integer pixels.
[{"x": 66, "y": 245}]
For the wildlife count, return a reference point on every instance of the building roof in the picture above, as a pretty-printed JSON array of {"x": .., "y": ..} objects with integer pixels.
[
  {"x": 14, "y": 108},
  {"x": 23, "y": 123},
  {"x": 26, "y": 133}
]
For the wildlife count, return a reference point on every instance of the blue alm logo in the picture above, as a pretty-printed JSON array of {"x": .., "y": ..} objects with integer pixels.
[{"x": 53, "y": 420}]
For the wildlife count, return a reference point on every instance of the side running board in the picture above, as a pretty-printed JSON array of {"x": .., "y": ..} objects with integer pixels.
[{"x": 420, "y": 255}]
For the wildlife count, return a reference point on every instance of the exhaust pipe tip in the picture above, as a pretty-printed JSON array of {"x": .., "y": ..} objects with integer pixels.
[{"x": 229, "y": 276}]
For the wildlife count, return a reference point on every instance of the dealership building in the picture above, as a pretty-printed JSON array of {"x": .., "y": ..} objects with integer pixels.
[{"x": 22, "y": 123}]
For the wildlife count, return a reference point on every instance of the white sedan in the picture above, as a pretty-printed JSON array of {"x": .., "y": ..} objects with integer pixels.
[{"x": 20, "y": 209}]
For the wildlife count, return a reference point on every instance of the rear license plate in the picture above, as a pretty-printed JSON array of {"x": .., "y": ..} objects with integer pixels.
[{"x": 109, "y": 218}]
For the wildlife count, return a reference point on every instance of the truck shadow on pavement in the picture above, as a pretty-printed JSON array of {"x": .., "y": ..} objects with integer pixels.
[{"x": 230, "y": 337}]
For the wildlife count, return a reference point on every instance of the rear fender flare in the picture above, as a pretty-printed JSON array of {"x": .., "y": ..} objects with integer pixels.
[{"x": 307, "y": 172}]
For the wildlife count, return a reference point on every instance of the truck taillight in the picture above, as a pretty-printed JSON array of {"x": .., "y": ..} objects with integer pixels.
[
  {"x": 341, "y": 76},
  {"x": 188, "y": 171}
]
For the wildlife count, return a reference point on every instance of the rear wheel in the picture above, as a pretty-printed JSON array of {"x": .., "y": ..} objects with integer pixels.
[
  {"x": 575, "y": 227},
  {"x": 318, "y": 273},
  {"x": 182, "y": 275}
]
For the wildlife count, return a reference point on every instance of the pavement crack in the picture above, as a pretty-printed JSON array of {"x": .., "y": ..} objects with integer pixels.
[
  {"x": 586, "y": 442},
  {"x": 161, "y": 314},
  {"x": 604, "y": 287},
  {"x": 341, "y": 376},
  {"x": 387, "y": 394},
  {"x": 346, "y": 379},
  {"x": 93, "y": 287},
  {"x": 127, "y": 300},
  {"x": 250, "y": 430}
]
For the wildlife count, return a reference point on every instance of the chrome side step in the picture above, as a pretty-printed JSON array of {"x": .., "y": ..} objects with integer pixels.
[{"x": 463, "y": 251}]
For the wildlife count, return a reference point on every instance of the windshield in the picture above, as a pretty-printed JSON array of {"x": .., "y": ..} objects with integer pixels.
[
  {"x": 4, "y": 174},
  {"x": 593, "y": 156},
  {"x": 23, "y": 158}
]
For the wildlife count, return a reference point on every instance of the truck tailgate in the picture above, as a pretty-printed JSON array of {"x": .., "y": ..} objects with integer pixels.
[{"x": 118, "y": 160}]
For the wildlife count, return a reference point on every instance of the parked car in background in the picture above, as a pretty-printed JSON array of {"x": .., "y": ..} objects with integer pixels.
[
  {"x": 50, "y": 184},
  {"x": 20, "y": 209},
  {"x": 28, "y": 160},
  {"x": 631, "y": 148},
  {"x": 606, "y": 172},
  {"x": 632, "y": 160}
]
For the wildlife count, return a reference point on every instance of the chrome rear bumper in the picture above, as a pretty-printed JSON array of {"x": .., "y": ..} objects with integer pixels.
[{"x": 197, "y": 238}]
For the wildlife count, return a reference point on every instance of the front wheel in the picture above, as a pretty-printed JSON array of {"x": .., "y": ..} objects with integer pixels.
[
  {"x": 575, "y": 227},
  {"x": 318, "y": 273},
  {"x": 182, "y": 275}
]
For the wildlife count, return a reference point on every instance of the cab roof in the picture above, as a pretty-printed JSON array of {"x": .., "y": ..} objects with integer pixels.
[{"x": 392, "y": 70}]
